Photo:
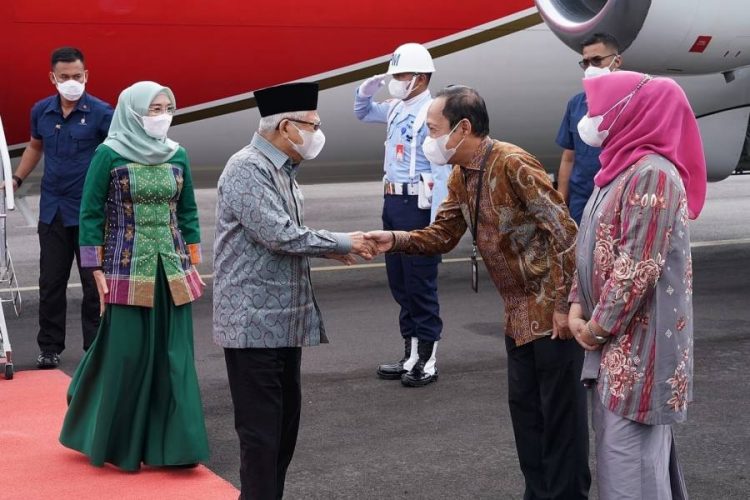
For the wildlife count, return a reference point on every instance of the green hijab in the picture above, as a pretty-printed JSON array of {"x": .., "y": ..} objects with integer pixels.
[{"x": 126, "y": 134}]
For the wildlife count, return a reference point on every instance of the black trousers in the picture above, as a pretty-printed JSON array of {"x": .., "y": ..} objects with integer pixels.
[
  {"x": 548, "y": 409},
  {"x": 58, "y": 246},
  {"x": 267, "y": 397}
]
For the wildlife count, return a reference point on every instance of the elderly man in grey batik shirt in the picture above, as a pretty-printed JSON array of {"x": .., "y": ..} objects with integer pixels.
[{"x": 264, "y": 305}]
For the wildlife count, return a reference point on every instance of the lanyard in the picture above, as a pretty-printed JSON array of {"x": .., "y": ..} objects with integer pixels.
[{"x": 474, "y": 225}]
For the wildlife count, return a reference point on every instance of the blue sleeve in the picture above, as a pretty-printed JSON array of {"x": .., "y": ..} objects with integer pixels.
[
  {"x": 105, "y": 122},
  {"x": 34, "y": 119},
  {"x": 565, "y": 135},
  {"x": 368, "y": 111},
  {"x": 440, "y": 174}
]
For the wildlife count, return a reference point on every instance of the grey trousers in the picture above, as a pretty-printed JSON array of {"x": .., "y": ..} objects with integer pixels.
[{"x": 635, "y": 461}]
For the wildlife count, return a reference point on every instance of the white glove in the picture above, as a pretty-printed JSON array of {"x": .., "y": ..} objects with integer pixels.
[{"x": 370, "y": 86}]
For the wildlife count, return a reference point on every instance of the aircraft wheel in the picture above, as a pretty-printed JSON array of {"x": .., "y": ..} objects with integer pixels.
[{"x": 8, "y": 371}]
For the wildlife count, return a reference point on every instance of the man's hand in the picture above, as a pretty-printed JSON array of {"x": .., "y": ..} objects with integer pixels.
[
  {"x": 361, "y": 246},
  {"x": 15, "y": 185},
  {"x": 560, "y": 327},
  {"x": 347, "y": 259},
  {"x": 382, "y": 239},
  {"x": 371, "y": 86},
  {"x": 564, "y": 172},
  {"x": 101, "y": 287}
]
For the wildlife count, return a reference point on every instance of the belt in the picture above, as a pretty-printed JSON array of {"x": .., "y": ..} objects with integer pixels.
[{"x": 400, "y": 188}]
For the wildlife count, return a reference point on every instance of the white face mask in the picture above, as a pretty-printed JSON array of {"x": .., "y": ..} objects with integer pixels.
[
  {"x": 588, "y": 127},
  {"x": 435, "y": 150},
  {"x": 71, "y": 90},
  {"x": 401, "y": 89},
  {"x": 312, "y": 143},
  {"x": 155, "y": 126},
  {"x": 593, "y": 71}
]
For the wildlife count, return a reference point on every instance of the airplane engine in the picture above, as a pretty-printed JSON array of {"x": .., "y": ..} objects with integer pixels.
[
  {"x": 693, "y": 37},
  {"x": 677, "y": 38},
  {"x": 723, "y": 135}
]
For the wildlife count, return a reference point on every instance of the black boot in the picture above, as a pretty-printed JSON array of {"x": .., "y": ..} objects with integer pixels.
[
  {"x": 424, "y": 371},
  {"x": 393, "y": 371}
]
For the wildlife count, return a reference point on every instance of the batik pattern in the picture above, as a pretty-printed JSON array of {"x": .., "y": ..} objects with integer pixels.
[
  {"x": 142, "y": 220},
  {"x": 525, "y": 236}
]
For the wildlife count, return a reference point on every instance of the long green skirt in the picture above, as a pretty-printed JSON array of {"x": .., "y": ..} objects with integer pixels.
[{"x": 135, "y": 397}]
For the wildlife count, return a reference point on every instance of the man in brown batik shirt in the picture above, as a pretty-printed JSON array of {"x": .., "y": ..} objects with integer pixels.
[{"x": 527, "y": 240}]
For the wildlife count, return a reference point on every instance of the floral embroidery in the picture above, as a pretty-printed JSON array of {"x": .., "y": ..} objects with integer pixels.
[
  {"x": 679, "y": 383},
  {"x": 125, "y": 257},
  {"x": 646, "y": 273},
  {"x": 688, "y": 280},
  {"x": 683, "y": 211},
  {"x": 622, "y": 372},
  {"x": 622, "y": 270},
  {"x": 604, "y": 253},
  {"x": 681, "y": 323},
  {"x": 640, "y": 275},
  {"x": 641, "y": 319},
  {"x": 646, "y": 200}
]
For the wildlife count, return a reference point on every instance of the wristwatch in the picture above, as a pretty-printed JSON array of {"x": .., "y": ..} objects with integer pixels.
[{"x": 597, "y": 338}]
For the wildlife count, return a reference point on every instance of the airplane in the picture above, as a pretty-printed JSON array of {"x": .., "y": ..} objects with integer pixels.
[{"x": 516, "y": 53}]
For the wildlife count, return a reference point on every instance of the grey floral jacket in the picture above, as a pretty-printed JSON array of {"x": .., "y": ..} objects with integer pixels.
[{"x": 635, "y": 278}]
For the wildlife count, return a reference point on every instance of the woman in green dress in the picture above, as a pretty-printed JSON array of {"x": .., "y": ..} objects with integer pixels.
[{"x": 135, "y": 397}]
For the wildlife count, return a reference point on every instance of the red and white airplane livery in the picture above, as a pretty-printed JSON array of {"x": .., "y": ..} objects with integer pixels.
[{"x": 214, "y": 54}]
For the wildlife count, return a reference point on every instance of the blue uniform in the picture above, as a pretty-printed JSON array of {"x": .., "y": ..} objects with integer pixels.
[
  {"x": 69, "y": 144},
  {"x": 412, "y": 279},
  {"x": 586, "y": 163}
]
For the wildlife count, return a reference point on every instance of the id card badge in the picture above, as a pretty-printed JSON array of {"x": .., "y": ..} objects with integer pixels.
[
  {"x": 400, "y": 152},
  {"x": 474, "y": 270}
]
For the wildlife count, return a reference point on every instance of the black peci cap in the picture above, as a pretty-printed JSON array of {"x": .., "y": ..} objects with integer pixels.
[{"x": 287, "y": 98}]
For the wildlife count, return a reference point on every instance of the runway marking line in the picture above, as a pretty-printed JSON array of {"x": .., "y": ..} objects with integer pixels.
[{"x": 697, "y": 244}]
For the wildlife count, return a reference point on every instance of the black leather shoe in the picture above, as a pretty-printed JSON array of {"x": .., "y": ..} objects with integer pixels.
[
  {"x": 417, "y": 377},
  {"x": 47, "y": 360},
  {"x": 393, "y": 371}
]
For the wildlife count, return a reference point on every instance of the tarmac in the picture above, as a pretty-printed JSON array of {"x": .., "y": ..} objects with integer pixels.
[{"x": 366, "y": 438}]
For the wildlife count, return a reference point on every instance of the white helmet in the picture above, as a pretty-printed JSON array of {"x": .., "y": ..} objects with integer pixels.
[{"x": 411, "y": 58}]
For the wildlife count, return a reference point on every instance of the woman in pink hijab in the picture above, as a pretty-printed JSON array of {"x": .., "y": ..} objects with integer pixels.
[{"x": 632, "y": 296}]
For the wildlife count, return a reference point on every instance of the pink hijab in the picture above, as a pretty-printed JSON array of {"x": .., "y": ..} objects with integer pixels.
[{"x": 657, "y": 120}]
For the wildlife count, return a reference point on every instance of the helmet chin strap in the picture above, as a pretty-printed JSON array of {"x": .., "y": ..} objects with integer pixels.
[{"x": 411, "y": 86}]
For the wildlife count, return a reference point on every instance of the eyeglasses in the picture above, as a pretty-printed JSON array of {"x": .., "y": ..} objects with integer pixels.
[
  {"x": 315, "y": 126},
  {"x": 160, "y": 110},
  {"x": 595, "y": 61}
]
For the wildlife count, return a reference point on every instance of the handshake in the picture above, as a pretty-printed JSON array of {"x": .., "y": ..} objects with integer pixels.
[{"x": 366, "y": 245}]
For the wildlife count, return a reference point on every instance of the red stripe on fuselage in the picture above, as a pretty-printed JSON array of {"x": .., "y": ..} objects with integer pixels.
[{"x": 212, "y": 50}]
